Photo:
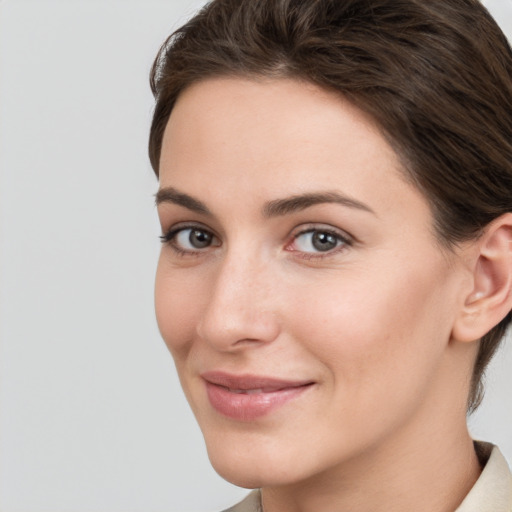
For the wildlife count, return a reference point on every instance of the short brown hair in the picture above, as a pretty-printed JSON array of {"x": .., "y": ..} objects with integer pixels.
[{"x": 435, "y": 75}]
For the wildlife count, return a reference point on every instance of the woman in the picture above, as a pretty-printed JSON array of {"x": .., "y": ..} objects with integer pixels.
[{"x": 335, "y": 196}]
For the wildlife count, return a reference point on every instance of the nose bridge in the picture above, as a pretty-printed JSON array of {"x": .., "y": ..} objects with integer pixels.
[{"x": 241, "y": 306}]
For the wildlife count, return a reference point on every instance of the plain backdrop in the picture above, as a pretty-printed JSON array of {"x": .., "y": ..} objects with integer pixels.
[{"x": 92, "y": 418}]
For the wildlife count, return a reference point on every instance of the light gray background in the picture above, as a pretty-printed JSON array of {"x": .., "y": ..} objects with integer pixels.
[{"x": 91, "y": 415}]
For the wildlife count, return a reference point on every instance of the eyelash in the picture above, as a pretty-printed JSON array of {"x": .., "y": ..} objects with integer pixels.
[
  {"x": 344, "y": 241},
  {"x": 169, "y": 238}
]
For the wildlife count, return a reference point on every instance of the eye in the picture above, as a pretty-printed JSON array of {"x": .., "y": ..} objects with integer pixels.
[
  {"x": 319, "y": 241},
  {"x": 190, "y": 239}
]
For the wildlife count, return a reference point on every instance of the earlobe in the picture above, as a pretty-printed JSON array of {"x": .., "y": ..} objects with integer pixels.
[{"x": 490, "y": 298}]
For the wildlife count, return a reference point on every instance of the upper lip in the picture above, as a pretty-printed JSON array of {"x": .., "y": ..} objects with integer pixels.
[{"x": 249, "y": 381}]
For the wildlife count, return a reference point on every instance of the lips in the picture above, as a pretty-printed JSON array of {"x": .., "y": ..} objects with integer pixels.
[{"x": 248, "y": 397}]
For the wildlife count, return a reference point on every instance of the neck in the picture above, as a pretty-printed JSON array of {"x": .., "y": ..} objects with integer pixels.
[{"x": 434, "y": 477}]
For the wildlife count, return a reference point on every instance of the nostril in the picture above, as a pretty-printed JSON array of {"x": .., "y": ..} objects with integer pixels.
[{"x": 237, "y": 328}]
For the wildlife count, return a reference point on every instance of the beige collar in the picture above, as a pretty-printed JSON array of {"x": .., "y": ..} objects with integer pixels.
[{"x": 492, "y": 491}]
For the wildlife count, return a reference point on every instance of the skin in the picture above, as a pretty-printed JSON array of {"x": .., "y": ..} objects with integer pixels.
[{"x": 369, "y": 322}]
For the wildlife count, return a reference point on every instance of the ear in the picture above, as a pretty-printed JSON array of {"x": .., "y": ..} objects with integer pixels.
[{"x": 490, "y": 299}]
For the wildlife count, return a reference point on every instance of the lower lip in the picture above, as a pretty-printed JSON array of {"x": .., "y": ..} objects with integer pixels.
[{"x": 248, "y": 407}]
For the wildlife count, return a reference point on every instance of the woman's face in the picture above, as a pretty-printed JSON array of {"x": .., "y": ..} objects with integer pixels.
[{"x": 300, "y": 287}]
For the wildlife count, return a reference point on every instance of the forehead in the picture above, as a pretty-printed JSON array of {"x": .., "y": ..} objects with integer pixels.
[
  {"x": 282, "y": 110},
  {"x": 260, "y": 139}
]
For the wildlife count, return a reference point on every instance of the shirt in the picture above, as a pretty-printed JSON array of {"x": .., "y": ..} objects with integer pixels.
[{"x": 492, "y": 491}]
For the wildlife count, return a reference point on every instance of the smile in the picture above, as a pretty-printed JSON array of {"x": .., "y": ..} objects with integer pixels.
[{"x": 248, "y": 397}]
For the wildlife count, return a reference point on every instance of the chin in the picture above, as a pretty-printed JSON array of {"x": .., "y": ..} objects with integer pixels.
[
  {"x": 248, "y": 478},
  {"x": 250, "y": 474},
  {"x": 238, "y": 462},
  {"x": 259, "y": 463}
]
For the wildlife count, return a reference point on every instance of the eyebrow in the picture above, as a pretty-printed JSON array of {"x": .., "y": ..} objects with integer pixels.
[
  {"x": 274, "y": 208},
  {"x": 171, "y": 195},
  {"x": 300, "y": 202}
]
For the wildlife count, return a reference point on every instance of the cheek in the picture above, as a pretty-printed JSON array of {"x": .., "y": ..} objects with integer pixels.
[
  {"x": 376, "y": 329},
  {"x": 178, "y": 300}
]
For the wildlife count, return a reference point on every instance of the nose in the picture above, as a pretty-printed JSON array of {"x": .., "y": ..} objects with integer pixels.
[{"x": 242, "y": 307}]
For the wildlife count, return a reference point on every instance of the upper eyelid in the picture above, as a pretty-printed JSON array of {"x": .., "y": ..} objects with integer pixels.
[
  {"x": 308, "y": 228},
  {"x": 179, "y": 226},
  {"x": 323, "y": 229}
]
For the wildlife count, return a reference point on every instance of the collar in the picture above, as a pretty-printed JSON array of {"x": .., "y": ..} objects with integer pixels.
[{"x": 492, "y": 491}]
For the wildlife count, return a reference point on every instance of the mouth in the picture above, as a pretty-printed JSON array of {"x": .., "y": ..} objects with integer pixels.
[{"x": 248, "y": 397}]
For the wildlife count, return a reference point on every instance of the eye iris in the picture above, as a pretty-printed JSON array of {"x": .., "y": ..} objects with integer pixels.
[
  {"x": 324, "y": 241},
  {"x": 199, "y": 239}
]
